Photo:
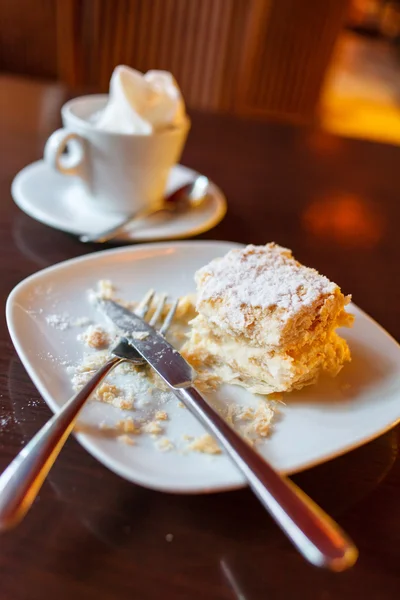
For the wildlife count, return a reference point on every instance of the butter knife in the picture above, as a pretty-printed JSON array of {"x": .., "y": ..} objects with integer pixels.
[{"x": 311, "y": 530}]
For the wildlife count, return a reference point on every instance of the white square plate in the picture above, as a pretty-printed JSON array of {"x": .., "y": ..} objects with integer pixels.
[{"x": 316, "y": 424}]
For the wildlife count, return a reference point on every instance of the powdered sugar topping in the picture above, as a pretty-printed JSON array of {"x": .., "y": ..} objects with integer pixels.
[{"x": 266, "y": 277}]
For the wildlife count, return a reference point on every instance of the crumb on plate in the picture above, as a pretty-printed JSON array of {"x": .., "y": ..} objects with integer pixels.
[
  {"x": 107, "y": 392},
  {"x": 125, "y": 439},
  {"x": 123, "y": 403},
  {"x": 207, "y": 382},
  {"x": 205, "y": 444},
  {"x": 262, "y": 420},
  {"x": 244, "y": 413},
  {"x": 161, "y": 415},
  {"x": 139, "y": 335},
  {"x": 164, "y": 444},
  {"x": 152, "y": 427},
  {"x": 128, "y": 425},
  {"x": 105, "y": 291},
  {"x": 95, "y": 337}
]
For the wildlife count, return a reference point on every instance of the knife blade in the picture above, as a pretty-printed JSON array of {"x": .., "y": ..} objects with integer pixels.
[{"x": 150, "y": 344}]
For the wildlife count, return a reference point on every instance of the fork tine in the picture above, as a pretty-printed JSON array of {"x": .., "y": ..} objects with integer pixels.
[
  {"x": 169, "y": 317},
  {"x": 159, "y": 309},
  {"x": 144, "y": 304}
]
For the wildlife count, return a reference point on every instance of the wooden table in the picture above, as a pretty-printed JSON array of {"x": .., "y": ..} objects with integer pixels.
[{"x": 92, "y": 535}]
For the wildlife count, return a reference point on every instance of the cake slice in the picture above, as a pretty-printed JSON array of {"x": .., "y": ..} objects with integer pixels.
[{"x": 266, "y": 322}]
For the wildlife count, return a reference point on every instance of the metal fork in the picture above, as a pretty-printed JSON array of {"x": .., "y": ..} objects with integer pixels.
[{"x": 23, "y": 478}]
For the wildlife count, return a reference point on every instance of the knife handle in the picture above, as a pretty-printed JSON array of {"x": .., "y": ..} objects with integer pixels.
[
  {"x": 23, "y": 478},
  {"x": 311, "y": 530}
]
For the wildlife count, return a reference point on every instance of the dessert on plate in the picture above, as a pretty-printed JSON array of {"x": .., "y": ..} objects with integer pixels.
[{"x": 266, "y": 322}]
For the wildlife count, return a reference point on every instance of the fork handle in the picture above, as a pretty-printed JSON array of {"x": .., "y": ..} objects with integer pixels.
[
  {"x": 316, "y": 535},
  {"x": 23, "y": 478}
]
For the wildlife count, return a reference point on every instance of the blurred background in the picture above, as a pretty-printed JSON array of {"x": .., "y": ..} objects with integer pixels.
[{"x": 334, "y": 63}]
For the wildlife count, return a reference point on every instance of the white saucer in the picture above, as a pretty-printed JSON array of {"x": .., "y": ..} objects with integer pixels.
[{"x": 59, "y": 201}]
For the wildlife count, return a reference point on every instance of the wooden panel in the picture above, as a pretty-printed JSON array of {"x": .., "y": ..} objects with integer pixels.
[
  {"x": 261, "y": 57},
  {"x": 69, "y": 42},
  {"x": 286, "y": 51},
  {"x": 194, "y": 39},
  {"x": 28, "y": 37}
]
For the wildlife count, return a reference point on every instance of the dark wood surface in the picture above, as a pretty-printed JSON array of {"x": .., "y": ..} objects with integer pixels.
[{"x": 92, "y": 535}]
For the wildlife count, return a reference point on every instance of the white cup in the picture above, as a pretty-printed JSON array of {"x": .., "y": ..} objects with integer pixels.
[{"x": 121, "y": 172}]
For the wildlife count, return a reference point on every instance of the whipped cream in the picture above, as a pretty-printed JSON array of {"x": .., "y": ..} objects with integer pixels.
[{"x": 141, "y": 103}]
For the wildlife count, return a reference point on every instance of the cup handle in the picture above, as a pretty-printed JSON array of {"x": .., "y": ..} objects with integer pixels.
[{"x": 73, "y": 164}]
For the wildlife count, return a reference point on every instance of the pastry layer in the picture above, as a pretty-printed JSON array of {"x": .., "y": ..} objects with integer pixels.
[{"x": 260, "y": 370}]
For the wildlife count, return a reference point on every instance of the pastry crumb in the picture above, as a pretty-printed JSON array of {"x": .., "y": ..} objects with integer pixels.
[
  {"x": 207, "y": 382},
  {"x": 123, "y": 403},
  {"x": 161, "y": 415},
  {"x": 95, "y": 337},
  {"x": 125, "y": 439},
  {"x": 128, "y": 426},
  {"x": 107, "y": 392},
  {"x": 205, "y": 444},
  {"x": 139, "y": 335},
  {"x": 263, "y": 419},
  {"x": 105, "y": 291},
  {"x": 152, "y": 427},
  {"x": 181, "y": 405},
  {"x": 169, "y": 537},
  {"x": 230, "y": 414},
  {"x": 245, "y": 413},
  {"x": 111, "y": 394},
  {"x": 261, "y": 422},
  {"x": 164, "y": 444}
]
